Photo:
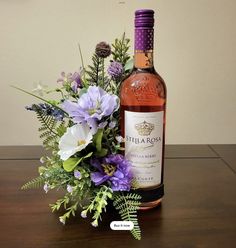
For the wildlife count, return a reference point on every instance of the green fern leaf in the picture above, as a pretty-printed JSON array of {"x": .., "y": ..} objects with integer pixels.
[
  {"x": 95, "y": 71},
  {"x": 127, "y": 206},
  {"x": 34, "y": 183}
]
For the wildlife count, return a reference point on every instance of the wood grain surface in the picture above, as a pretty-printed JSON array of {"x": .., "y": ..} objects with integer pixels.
[{"x": 198, "y": 210}]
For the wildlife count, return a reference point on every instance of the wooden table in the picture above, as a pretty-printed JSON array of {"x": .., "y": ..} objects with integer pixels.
[{"x": 199, "y": 208}]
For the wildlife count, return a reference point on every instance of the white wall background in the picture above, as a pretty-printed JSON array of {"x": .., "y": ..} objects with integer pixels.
[{"x": 195, "y": 52}]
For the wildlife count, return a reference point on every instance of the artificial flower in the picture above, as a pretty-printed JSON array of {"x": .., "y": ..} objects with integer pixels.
[
  {"x": 74, "y": 140},
  {"x": 115, "y": 70},
  {"x": 114, "y": 169},
  {"x": 91, "y": 107},
  {"x": 73, "y": 79},
  {"x": 77, "y": 174},
  {"x": 47, "y": 109},
  {"x": 40, "y": 89},
  {"x": 103, "y": 49}
]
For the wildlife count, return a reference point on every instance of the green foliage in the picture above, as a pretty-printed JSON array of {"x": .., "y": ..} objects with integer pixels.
[
  {"x": 60, "y": 202},
  {"x": 34, "y": 183},
  {"x": 71, "y": 163},
  {"x": 98, "y": 139},
  {"x": 127, "y": 206},
  {"x": 120, "y": 50},
  {"x": 50, "y": 130},
  {"x": 99, "y": 202},
  {"x": 59, "y": 174},
  {"x": 70, "y": 211},
  {"x": 96, "y": 70}
]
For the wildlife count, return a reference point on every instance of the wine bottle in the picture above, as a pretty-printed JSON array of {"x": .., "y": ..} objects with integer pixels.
[{"x": 143, "y": 108}]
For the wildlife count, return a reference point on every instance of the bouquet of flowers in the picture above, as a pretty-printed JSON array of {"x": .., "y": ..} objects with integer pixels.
[{"x": 81, "y": 131}]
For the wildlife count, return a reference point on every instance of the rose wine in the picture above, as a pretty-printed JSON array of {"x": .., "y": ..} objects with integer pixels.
[{"x": 143, "y": 105}]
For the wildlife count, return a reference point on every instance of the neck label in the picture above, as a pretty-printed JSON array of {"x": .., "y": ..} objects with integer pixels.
[{"x": 144, "y": 39}]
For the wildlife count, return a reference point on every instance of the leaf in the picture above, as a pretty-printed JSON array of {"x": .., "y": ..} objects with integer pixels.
[
  {"x": 71, "y": 163},
  {"x": 98, "y": 139},
  {"x": 88, "y": 155},
  {"x": 101, "y": 153},
  {"x": 34, "y": 183},
  {"x": 127, "y": 206},
  {"x": 129, "y": 65},
  {"x": 82, "y": 91},
  {"x": 41, "y": 169}
]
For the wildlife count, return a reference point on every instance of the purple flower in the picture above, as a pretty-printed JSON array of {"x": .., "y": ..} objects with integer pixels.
[
  {"x": 76, "y": 82},
  {"x": 114, "y": 169},
  {"x": 46, "y": 187},
  {"x": 73, "y": 79},
  {"x": 115, "y": 70},
  {"x": 102, "y": 124},
  {"x": 91, "y": 107},
  {"x": 77, "y": 174},
  {"x": 112, "y": 124},
  {"x": 69, "y": 188},
  {"x": 64, "y": 78}
]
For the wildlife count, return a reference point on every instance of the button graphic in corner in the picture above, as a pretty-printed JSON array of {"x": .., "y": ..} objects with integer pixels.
[{"x": 122, "y": 225}]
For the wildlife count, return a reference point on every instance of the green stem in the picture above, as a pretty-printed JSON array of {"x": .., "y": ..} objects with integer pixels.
[
  {"x": 38, "y": 97},
  {"x": 103, "y": 73},
  {"x": 81, "y": 56}
]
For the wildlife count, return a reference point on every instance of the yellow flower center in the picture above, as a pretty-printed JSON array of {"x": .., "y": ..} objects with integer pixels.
[
  {"x": 92, "y": 111},
  {"x": 109, "y": 169},
  {"x": 81, "y": 142}
]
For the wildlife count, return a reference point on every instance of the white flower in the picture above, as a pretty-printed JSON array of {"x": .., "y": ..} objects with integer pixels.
[
  {"x": 74, "y": 140},
  {"x": 62, "y": 220},
  {"x": 84, "y": 214},
  {"x": 120, "y": 139},
  {"x": 39, "y": 89},
  {"x": 46, "y": 187},
  {"x": 69, "y": 188}
]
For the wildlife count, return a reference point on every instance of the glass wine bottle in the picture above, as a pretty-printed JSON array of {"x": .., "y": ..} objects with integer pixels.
[{"x": 143, "y": 108}]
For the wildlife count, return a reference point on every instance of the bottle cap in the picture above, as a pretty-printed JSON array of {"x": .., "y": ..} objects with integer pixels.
[{"x": 144, "y": 18}]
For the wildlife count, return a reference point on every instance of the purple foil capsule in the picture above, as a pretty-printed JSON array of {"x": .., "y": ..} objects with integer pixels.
[{"x": 144, "y": 33}]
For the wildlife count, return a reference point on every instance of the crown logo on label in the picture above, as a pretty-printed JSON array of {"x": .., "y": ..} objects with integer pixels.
[{"x": 144, "y": 128}]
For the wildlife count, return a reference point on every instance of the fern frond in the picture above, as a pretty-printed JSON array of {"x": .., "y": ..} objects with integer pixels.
[
  {"x": 95, "y": 71},
  {"x": 50, "y": 131},
  {"x": 34, "y": 183},
  {"x": 127, "y": 206}
]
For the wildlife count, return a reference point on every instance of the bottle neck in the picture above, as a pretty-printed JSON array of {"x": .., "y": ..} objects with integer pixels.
[
  {"x": 143, "y": 54},
  {"x": 143, "y": 59}
]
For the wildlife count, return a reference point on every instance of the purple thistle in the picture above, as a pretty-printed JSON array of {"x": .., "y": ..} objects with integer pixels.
[
  {"x": 115, "y": 70},
  {"x": 115, "y": 170}
]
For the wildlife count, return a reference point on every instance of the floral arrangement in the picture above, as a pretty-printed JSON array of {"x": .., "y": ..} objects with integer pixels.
[{"x": 81, "y": 131}]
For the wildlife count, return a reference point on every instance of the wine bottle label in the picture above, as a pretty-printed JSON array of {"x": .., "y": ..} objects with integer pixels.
[{"x": 143, "y": 146}]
